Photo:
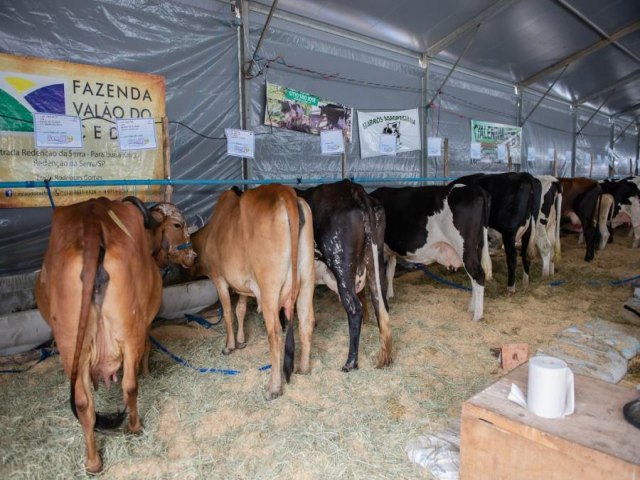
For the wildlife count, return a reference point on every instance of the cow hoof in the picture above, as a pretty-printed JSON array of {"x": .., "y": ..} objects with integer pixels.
[
  {"x": 241, "y": 345},
  {"x": 511, "y": 290},
  {"x": 350, "y": 366},
  {"x": 93, "y": 468},
  {"x": 227, "y": 350},
  {"x": 273, "y": 395}
]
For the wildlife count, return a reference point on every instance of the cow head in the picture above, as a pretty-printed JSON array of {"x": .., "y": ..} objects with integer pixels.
[{"x": 171, "y": 241}]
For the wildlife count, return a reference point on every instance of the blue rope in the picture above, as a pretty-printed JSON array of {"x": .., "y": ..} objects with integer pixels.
[
  {"x": 47, "y": 181},
  {"x": 424, "y": 270},
  {"x": 201, "y": 321},
  {"x": 44, "y": 354},
  {"x": 187, "y": 364}
]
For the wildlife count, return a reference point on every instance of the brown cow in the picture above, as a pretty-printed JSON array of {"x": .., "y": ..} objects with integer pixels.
[
  {"x": 99, "y": 290},
  {"x": 579, "y": 201},
  {"x": 260, "y": 244}
]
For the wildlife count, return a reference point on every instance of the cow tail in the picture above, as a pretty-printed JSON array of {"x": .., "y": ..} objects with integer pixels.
[
  {"x": 92, "y": 238},
  {"x": 296, "y": 221},
  {"x": 557, "y": 247},
  {"x": 485, "y": 259}
]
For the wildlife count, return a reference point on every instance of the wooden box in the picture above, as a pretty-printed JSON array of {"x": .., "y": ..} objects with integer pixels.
[{"x": 501, "y": 440}]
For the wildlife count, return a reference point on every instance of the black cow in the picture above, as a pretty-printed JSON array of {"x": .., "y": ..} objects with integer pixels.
[
  {"x": 444, "y": 224},
  {"x": 515, "y": 204},
  {"x": 348, "y": 228},
  {"x": 580, "y": 204}
]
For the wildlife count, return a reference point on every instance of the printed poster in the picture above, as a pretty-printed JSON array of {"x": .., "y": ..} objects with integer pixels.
[
  {"x": 98, "y": 97},
  {"x": 490, "y": 135},
  {"x": 403, "y": 124},
  {"x": 304, "y": 112}
]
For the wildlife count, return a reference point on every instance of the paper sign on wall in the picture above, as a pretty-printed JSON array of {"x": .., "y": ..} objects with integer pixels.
[
  {"x": 531, "y": 154},
  {"x": 57, "y": 131},
  {"x": 404, "y": 125},
  {"x": 434, "y": 148},
  {"x": 551, "y": 154},
  {"x": 331, "y": 142},
  {"x": 136, "y": 133},
  {"x": 502, "y": 153},
  {"x": 240, "y": 143},
  {"x": 476, "y": 151},
  {"x": 387, "y": 144}
]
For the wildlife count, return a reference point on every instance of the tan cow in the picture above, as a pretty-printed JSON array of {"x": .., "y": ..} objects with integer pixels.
[
  {"x": 260, "y": 244},
  {"x": 99, "y": 290}
]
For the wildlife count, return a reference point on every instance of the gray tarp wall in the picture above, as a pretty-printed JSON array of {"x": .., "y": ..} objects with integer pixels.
[{"x": 194, "y": 44}]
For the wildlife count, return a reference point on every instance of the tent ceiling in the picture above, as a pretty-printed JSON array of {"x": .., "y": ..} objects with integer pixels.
[{"x": 526, "y": 42}]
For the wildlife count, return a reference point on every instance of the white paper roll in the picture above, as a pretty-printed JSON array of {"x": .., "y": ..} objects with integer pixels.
[{"x": 550, "y": 392}]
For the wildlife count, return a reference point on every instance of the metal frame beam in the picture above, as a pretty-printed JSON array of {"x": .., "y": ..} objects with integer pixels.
[
  {"x": 609, "y": 39},
  {"x": 340, "y": 32},
  {"x": 486, "y": 14},
  {"x": 623, "y": 81},
  {"x": 576, "y": 13}
]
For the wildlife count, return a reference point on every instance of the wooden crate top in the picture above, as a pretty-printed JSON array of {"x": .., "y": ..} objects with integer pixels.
[{"x": 596, "y": 424}]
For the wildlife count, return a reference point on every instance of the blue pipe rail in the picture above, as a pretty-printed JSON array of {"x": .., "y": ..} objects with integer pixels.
[{"x": 151, "y": 182}]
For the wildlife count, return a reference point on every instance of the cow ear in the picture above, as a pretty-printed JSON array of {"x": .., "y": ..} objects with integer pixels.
[{"x": 157, "y": 216}]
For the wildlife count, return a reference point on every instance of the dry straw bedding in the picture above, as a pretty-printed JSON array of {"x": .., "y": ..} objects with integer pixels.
[{"x": 328, "y": 424}]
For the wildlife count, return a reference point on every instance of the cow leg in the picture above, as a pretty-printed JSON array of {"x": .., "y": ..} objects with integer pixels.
[
  {"x": 145, "y": 356},
  {"x": 391, "y": 271},
  {"x": 272, "y": 324},
  {"x": 86, "y": 410},
  {"x": 477, "y": 300},
  {"x": 227, "y": 313},
  {"x": 306, "y": 322},
  {"x": 130, "y": 387},
  {"x": 353, "y": 307},
  {"x": 526, "y": 261},
  {"x": 363, "y": 301},
  {"x": 512, "y": 260},
  {"x": 241, "y": 312},
  {"x": 375, "y": 280}
]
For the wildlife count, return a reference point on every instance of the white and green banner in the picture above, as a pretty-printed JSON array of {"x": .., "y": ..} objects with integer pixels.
[{"x": 494, "y": 138}]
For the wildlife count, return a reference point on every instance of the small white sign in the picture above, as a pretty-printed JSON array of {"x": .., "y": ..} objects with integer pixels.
[
  {"x": 476, "y": 151},
  {"x": 57, "y": 131},
  {"x": 240, "y": 143},
  {"x": 434, "y": 147},
  {"x": 551, "y": 154},
  {"x": 387, "y": 144},
  {"x": 502, "y": 153},
  {"x": 136, "y": 133},
  {"x": 531, "y": 154},
  {"x": 598, "y": 159},
  {"x": 331, "y": 142},
  {"x": 587, "y": 158}
]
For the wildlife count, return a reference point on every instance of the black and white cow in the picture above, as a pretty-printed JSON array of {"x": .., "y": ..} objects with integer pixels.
[
  {"x": 626, "y": 194},
  {"x": 548, "y": 224},
  {"x": 630, "y": 213},
  {"x": 515, "y": 204},
  {"x": 348, "y": 229},
  {"x": 444, "y": 224}
]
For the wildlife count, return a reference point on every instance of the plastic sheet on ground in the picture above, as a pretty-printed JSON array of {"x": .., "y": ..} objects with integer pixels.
[{"x": 439, "y": 453}]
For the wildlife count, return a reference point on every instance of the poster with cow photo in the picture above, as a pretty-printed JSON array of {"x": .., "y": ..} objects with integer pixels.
[
  {"x": 304, "y": 112},
  {"x": 403, "y": 124}
]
